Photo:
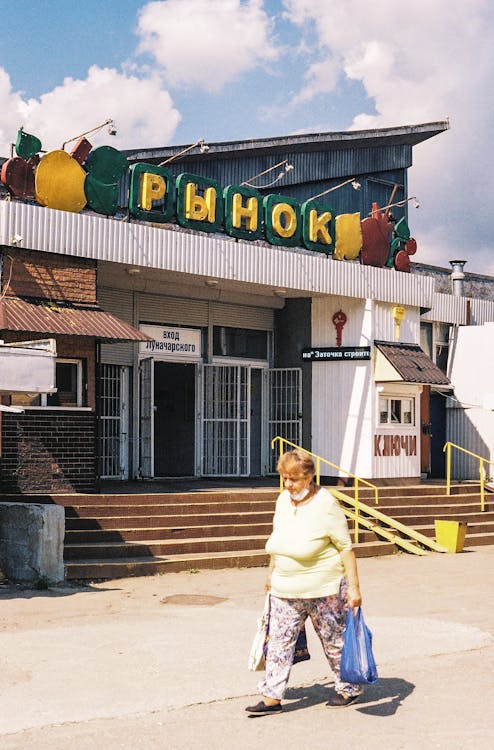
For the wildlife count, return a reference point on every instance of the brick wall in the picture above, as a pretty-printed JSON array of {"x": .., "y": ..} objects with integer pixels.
[
  {"x": 28, "y": 273},
  {"x": 48, "y": 451}
]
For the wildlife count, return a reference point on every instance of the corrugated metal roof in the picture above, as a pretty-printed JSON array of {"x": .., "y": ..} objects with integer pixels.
[
  {"x": 402, "y": 135},
  {"x": 412, "y": 364},
  {"x": 42, "y": 316}
]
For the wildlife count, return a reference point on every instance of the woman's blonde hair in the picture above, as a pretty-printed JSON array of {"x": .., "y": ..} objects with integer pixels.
[{"x": 297, "y": 462}]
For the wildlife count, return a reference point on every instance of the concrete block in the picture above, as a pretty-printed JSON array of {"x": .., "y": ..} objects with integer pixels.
[{"x": 31, "y": 542}]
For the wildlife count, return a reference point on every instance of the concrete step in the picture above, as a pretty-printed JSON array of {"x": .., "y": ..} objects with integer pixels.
[
  {"x": 428, "y": 529},
  {"x": 205, "y": 509},
  {"x": 82, "y": 569},
  {"x": 162, "y": 498},
  {"x": 413, "y": 490},
  {"x": 472, "y": 540},
  {"x": 162, "y": 547},
  {"x": 403, "y": 513},
  {"x": 406, "y": 501},
  {"x": 90, "y": 536},
  {"x": 165, "y": 521}
]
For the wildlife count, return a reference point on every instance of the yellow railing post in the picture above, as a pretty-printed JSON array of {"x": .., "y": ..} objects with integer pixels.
[
  {"x": 448, "y": 469},
  {"x": 318, "y": 470},
  {"x": 281, "y": 442},
  {"x": 357, "y": 511},
  {"x": 482, "y": 461},
  {"x": 482, "y": 480}
]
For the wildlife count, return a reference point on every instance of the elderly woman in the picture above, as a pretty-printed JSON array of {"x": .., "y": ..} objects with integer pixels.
[{"x": 313, "y": 573}]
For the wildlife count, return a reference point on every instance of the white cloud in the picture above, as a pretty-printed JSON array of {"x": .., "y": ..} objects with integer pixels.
[
  {"x": 422, "y": 62},
  {"x": 206, "y": 44},
  {"x": 321, "y": 78},
  {"x": 11, "y": 113},
  {"x": 142, "y": 109}
]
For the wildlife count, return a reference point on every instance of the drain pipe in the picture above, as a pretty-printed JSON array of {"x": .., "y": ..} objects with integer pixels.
[{"x": 457, "y": 277}]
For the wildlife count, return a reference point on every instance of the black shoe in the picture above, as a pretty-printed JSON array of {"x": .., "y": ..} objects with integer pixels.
[
  {"x": 262, "y": 709},
  {"x": 340, "y": 700}
]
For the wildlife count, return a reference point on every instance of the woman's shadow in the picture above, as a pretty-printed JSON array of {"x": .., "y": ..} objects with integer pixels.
[{"x": 383, "y": 698}]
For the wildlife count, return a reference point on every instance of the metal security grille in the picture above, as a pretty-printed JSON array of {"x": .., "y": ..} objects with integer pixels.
[
  {"x": 284, "y": 389},
  {"x": 113, "y": 432},
  {"x": 146, "y": 417},
  {"x": 225, "y": 422}
]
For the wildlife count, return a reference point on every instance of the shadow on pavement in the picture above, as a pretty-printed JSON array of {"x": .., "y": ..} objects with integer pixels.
[
  {"x": 383, "y": 698},
  {"x": 29, "y": 591}
]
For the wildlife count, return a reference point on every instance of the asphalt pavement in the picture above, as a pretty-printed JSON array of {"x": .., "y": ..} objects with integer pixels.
[{"x": 161, "y": 662}]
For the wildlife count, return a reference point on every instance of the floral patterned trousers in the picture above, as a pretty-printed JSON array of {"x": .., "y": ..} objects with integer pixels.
[{"x": 286, "y": 617}]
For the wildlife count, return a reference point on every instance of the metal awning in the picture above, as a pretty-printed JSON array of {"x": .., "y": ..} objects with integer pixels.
[
  {"x": 407, "y": 363},
  {"x": 67, "y": 319}
]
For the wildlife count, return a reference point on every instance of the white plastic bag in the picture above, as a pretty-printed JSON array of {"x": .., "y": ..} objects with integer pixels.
[{"x": 257, "y": 655}]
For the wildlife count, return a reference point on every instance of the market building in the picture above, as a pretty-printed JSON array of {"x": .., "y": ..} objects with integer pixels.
[{"x": 206, "y": 299}]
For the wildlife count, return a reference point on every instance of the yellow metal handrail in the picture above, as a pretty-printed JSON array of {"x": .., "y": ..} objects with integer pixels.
[
  {"x": 318, "y": 459},
  {"x": 482, "y": 461}
]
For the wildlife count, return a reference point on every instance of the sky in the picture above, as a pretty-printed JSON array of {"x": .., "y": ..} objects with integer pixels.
[{"x": 174, "y": 71}]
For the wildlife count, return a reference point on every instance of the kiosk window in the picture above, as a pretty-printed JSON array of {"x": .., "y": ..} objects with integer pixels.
[{"x": 396, "y": 411}]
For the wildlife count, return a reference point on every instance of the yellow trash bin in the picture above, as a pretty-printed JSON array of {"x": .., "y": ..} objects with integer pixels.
[{"x": 451, "y": 534}]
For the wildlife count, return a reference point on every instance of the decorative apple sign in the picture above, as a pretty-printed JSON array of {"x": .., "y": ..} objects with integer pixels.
[{"x": 59, "y": 182}]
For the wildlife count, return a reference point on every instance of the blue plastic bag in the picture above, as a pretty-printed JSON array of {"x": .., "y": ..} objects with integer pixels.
[{"x": 357, "y": 660}]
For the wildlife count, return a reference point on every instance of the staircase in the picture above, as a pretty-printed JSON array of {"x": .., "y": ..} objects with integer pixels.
[
  {"x": 112, "y": 536},
  {"x": 418, "y": 506},
  {"x": 118, "y": 535}
]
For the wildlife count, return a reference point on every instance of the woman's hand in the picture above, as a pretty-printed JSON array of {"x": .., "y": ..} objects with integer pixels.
[
  {"x": 354, "y": 597},
  {"x": 267, "y": 583}
]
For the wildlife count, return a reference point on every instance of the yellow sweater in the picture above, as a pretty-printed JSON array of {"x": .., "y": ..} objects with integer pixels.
[{"x": 306, "y": 543}]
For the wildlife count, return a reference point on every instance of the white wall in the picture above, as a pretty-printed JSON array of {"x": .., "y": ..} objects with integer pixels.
[
  {"x": 470, "y": 415},
  {"x": 341, "y": 391}
]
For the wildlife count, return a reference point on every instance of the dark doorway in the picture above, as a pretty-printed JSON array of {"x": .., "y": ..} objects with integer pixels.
[
  {"x": 438, "y": 429},
  {"x": 174, "y": 419},
  {"x": 425, "y": 431}
]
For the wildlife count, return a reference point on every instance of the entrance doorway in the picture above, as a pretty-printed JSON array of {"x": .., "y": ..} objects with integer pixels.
[
  {"x": 214, "y": 420},
  {"x": 244, "y": 407},
  {"x": 438, "y": 430},
  {"x": 114, "y": 411},
  {"x": 425, "y": 431},
  {"x": 174, "y": 419}
]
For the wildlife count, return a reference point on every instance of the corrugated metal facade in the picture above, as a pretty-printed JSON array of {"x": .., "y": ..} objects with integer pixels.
[
  {"x": 385, "y": 326},
  {"x": 447, "y": 308},
  {"x": 119, "y": 302},
  {"x": 215, "y": 256},
  {"x": 313, "y": 173},
  {"x": 481, "y": 311},
  {"x": 153, "y": 308},
  {"x": 471, "y": 428},
  {"x": 199, "y": 313}
]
